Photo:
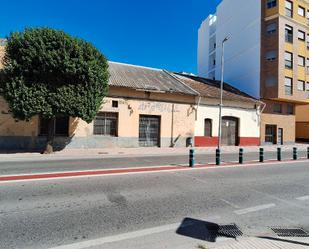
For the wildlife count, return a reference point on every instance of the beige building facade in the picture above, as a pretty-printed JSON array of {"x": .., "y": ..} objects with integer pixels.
[
  {"x": 145, "y": 107},
  {"x": 131, "y": 116}
]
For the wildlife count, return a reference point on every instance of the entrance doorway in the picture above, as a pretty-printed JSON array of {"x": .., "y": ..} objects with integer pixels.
[
  {"x": 271, "y": 134},
  {"x": 229, "y": 131},
  {"x": 149, "y": 131}
]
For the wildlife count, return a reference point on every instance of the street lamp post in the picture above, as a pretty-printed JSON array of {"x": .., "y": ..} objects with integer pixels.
[{"x": 220, "y": 105}]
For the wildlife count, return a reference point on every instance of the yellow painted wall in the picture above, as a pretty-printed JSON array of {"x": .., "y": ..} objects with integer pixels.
[
  {"x": 302, "y": 113},
  {"x": 9, "y": 127},
  {"x": 287, "y": 122},
  {"x": 296, "y": 3}
]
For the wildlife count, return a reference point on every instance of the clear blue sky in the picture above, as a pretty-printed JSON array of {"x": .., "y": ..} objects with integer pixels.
[{"x": 154, "y": 33}]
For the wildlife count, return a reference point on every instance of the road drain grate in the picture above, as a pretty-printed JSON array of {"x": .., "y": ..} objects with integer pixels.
[
  {"x": 229, "y": 231},
  {"x": 289, "y": 232}
]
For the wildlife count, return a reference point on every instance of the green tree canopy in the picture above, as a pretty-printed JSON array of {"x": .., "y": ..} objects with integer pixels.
[{"x": 50, "y": 73}]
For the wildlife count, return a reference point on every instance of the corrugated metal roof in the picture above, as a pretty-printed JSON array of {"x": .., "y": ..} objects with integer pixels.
[
  {"x": 211, "y": 88},
  {"x": 146, "y": 79}
]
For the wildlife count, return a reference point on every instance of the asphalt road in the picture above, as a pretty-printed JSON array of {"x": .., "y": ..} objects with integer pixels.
[
  {"x": 40, "y": 166},
  {"x": 50, "y": 213}
]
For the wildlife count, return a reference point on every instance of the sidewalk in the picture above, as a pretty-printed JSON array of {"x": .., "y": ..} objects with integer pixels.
[
  {"x": 137, "y": 152},
  {"x": 262, "y": 243}
]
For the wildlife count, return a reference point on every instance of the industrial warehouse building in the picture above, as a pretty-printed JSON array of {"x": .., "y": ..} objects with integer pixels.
[{"x": 146, "y": 107}]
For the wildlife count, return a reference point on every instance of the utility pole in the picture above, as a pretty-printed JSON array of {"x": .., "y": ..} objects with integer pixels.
[{"x": 221, "y": 102}]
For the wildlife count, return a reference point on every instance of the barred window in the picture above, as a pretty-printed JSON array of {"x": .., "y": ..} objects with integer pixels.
[{"x": 106, "y": 123}]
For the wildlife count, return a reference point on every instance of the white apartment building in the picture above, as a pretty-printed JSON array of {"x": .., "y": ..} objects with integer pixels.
[{"x": 240, "y": 20}]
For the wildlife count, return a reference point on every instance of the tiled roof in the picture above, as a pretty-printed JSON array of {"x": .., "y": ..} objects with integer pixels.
[
  {"x": 211, "y": 88},
  {"x": 143, "y": 78}
]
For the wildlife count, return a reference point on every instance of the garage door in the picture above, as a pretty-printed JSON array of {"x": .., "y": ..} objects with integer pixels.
[
  {"x": 229, "y": 131},
  {"x": 149, "y": 131}
]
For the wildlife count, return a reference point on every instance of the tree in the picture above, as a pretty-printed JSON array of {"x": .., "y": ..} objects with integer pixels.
[{"x": 52, "y": 74}]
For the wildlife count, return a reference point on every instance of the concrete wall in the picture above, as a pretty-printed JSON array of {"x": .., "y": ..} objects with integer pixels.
[
  {"x": 241, "y": 21},
  {"x": 176, "y": 112},
  {"x": 249, "y": 122}
]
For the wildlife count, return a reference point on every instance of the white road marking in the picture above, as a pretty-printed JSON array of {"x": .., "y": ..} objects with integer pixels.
[
  {"x": 303, "y": 198},
  {"x": 230, "y": 203},
  {"x": 254, "y": 209}
]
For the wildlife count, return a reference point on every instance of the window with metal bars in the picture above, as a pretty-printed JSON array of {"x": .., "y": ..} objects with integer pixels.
[{"x": 106, "y": 123}]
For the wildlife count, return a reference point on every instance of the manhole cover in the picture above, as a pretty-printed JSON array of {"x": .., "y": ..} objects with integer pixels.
[
  {"x": 290, "y": 232},
  {"x": 229, "y": 231}
]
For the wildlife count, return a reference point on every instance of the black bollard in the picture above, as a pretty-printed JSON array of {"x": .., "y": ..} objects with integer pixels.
[
  {"x": 192, "y": 158},
  {"x": 308, "y": 152},
  {"x": 294, "y": 153},
  {"x": 261, "y": 155},
  {"x": 218, "y": 157},
  {"x": 279, "y": 154},
  {"x": 241, "y": 155}
]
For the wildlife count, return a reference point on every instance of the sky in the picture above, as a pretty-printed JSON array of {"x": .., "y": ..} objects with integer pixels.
[{"x": 154, "y": 33}]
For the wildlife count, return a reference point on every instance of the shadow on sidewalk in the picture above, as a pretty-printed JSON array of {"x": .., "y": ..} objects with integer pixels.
[
  {"x": 207, "y": 231},
  {"x": 285, "y": 240}
]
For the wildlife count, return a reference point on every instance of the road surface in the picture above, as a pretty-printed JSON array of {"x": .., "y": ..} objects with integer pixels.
[
  {"x": 145, "y": 210},
  {"x": 21, "y": 166}
]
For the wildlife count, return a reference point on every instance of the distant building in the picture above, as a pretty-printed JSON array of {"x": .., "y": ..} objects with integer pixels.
[{"x": 266, "y": 56}]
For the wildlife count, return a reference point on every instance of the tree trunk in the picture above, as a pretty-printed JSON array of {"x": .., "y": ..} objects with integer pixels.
[{"x": 50, "y": 136}]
